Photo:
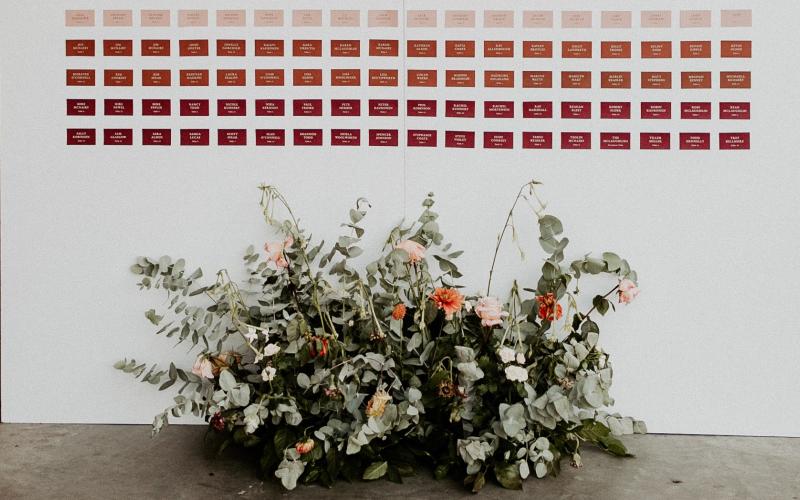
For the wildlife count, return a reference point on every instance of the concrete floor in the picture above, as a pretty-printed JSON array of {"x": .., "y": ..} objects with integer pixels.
[{"x": 120, "y": 462}]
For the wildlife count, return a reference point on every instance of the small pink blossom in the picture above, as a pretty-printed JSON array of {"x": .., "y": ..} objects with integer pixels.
[
  {"x": 490, "y": 311},
  {"x": 276, "y": 252},
  {"x": 415, "y": 251},
  {"x": 627, "y": 291},
  {"x": 203, "y": 367}
]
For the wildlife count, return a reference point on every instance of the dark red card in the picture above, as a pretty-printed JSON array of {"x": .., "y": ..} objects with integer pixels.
[
  {"x": 734, "y": 111},
  {"x": 345, "y": 137},
  {"x": 156, "y": 107},
  {"x": 232, "y": 137},
  {"x": 231, "y": 48},
  {"x": 80, "y": 77},
  {"x": 307, "y": 77},
  {"x": 498, "y": 140},
  {"x": 615, "y": 110},
  {"x": 345, "y": 48},
  {"x": 383, "y": 48},
  {"x": 231, "y": 107},
  {"x": 194, "y": 137},
  {"x": 739, "y": 140},
  {"x": 307, "y": 137},
  {"x": 695, "y": 140},
  {"x": 269, "y": 48},
  {"x": 615, "y": 140},
  {"x": 156, "y": 137},
  {"x": 459, "y": 109},
  {"x": 270, "y": 137},
  {"x": 80, "y": 107},
  {"x": 194, "y": 77},
  {"x": 113, "y": 48},
  {"x": 193, "y": 48},
  {"x": 81, "y": 137},
  {"x": 421, "y": 48},
  {"x": 194, "y": 107},
  {"x": 156, "y": 78},
  {"x": 695, "y": 110},
  {"x": 307, "y": 48},
  {"x": 576, "y": 79},
  {"x": 416, "y": 107},
  {"x": 345, "y": 77},
  {"x": 155, "y": 48},
  {"x": 270, "y": 107},
  {"x": 421, "y": 78},
  {"x": 537, "y": 109},
  {"x": 576, "y": 140},
  {"x": 579, "y": 110},
  {"x": 537, "y": 140},
  {"x": 269, "y": 77},
  {"x": 118, "y": 77},
  {"x": 117, "y": 137},
  {"x": 459, "y": 139},
  {"x": 231, "y": 78},
  {"x": 537, "y": 49},
  {"x": 421, "y": 138},
  {"x": 121, "y": 107},
  {"x": 307, "y": 107},
  {"x": 345, "y": 107},
  {"x": 383, "y": 137},
  {"x": 383, "y": 107},
  {"x": 80, "y": 48},
  {"x": 654, "y": 140},
  {"x": 498, "y": 109},
  {"x": 656, "y": 110}
]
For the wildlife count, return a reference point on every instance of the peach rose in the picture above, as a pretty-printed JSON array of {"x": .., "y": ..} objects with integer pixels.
[
  {"x": 275, "y": 252},
  {"x": 203, "y": 367},
  {"x": 490, "y": 311},
  {"x": 415, "y": 251},
  {"x": 448, "y": 300},
  {"x": 627, "y": 291}
]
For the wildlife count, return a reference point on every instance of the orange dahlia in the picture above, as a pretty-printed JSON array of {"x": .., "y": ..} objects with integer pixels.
[
  {"x": 448, "y": 300},
  {"x": 399, "y": 311},
  {"x": 549, "y": 308}
]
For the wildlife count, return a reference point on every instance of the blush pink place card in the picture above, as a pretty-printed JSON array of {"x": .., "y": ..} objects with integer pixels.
[
  {"x": 498, "y": 19},
  {"x": 231, "y": 18},
  {"x": 268, "y": 17},
  {"x": 576, "y": 19},
  {"x": 79, "y": 18},
  {"x": 459, "y": 19},
  {"x": 307, "y": 17},
  {"x": 737, "y": 18},
  {"x": 615, "y": 19},
  {"x": 421, "y": 18},
  {"x": 695, "y": 19},
  {"x": 117, "y": 18},
  {"x": 382, "y": 18},
  {"x": 192, "y": 18},
  {"x": 343, "y": 18},
  {"x": 151, "y": 18},
  {"x": 656, "y": 19},
  {"x": 537, "y": 19}
]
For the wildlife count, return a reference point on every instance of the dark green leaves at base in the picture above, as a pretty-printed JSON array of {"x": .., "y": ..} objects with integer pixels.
[
  {"x": 507, "y": 475},
  {"x": 600, "y": 435},
  {"x": 376, "y": 470}
]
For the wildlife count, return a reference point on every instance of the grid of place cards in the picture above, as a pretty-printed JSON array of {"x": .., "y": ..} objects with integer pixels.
[{"x": 437, "y": 78}]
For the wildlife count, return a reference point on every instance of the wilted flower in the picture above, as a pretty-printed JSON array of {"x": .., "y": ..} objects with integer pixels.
[
  {"x": 506, "y": 354},
  {"x": 224, "y": 360},
  {"x": 516, "y": 373},
  {"x": 448, "y": 300},
  {"x": 399, "y": 311},
  {"x": 415, "y": 251},
  {"x": 203, "y": 367},
  {"x": 218, "y": 421},
  {"x": 627, "y": 291},
  {"x": 268, "y": 373},
  {"x": 447, "y": 389},
  {"x": 276, "y": 252},
  {"x": 377, "y": 403},
  {"x": 549, "y": 308},
  {"x": 566, "y": 383},
  {"x": 490, "y": 311},
  {"x": 304, "y": 447},
  {"x": 332, "y": 392},
  {"x": 318, "y": 347}
]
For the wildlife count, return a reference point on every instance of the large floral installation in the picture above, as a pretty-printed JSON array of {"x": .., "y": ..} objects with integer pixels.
[{"x": 334, "y": 372}]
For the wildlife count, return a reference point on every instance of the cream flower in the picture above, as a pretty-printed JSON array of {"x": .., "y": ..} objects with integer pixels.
[
  {"x": 251, "y": 334},
  {"x": 506, "y": 354},
  {"x": 415, "y": 251},
  {"x": 520, "y": 358},
  {"x": 516, "y": 373},
  {"x": 203, "y": 367},
  {"x": 268, "y": 373},
  {"x": 490, "y": 311},
  {"x": 377, "y": 403}
]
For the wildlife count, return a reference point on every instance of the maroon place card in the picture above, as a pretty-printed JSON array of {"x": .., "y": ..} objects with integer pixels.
[
  {"x": 695, "y": 110},
  {"x": 193, "y": 48},
  {"x": 80, "y": 107},
  {"x": 156, "y": 78},
  {"x": 156, "y": 107},
  {"x": 383, "y": 137},
  {"x": 736, "y": 140},
  {"x": 459, "y": 109},
  {"x": 537, "y": 140},
  {"x": 656, "y": 110},
  {"x": 615, "y": 110},
  {"x": 231, "y": 48},
  {"x": 734, "y": 111},
  {"x": 345, "y": 137},
  {"x": 307, "y": 107},
  {"x": 156, "y": 137},
  {"x": 345, "y": 107},
  {"x": 155, "y": 48},
  {"x": 81, "y": 137},
  {"x": 383, "y": 107},
  {"x": 307, "y": 137},
  {"x": 576, "y": 110},
  {"x": 576, "y": 140},
  {"x": 118, "y": 107},
  {"x": 421, "y": 138},
  {"x": 118, "y": 137},
  {"x": 269, "y": 48},
  {"x": 498, "y": 140},
  {"x": 194, "y": 107},
  {"x": 615, "y": 140},
  {"x": 270, "y": 107},
  {"x": 537, "y": 109},
  {"x": 417, "y": 107},
  {"x": 232, "y": 137},
  {"x": 117, "y": 48},
  {"x": 459, "y": 139},
  {"x": 194, "y": 137},
  {"x": 80, "y": 77},
  {"x": 231, "y": 107},
  {"x": 654, "y": 140},
  {"x": 270, "y": 137},
  {"x": 498, "y": 109},
  {"x": 695, "y": 140},
  {"x": 80, "y": 48}
]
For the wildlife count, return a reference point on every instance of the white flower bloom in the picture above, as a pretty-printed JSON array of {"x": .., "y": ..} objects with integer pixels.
[
  {"x": 468, "y": 306},
  {"x": 252, "y": 422},
  {"x": 271, "y": 350},
  {"x": 252, "y": 334},
  {"x": 520, "y": 358},
  {"x": 516, "y": 373},
  {"x": 506, "y": 354},
  {"x": 268, "y": 373}
]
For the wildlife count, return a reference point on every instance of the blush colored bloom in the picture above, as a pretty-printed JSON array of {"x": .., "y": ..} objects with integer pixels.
[
  {"x": 516, "y": 373},
  {"x": 276, "y": 252},
  {"x": 415, "y": 251},
  {"x": 377, "y": 403},
  {"x": 627, "y": 291},
  {"x": 549, "y": 308},
  {"x": 506, "y": 354},
  {"x": 203, "y": 367},
  {"x": 399, "y": 311},
  {"x": 304, "y": 447},
  {"x": 490, "y": 311},
  {"x": 448, "y": 300}
]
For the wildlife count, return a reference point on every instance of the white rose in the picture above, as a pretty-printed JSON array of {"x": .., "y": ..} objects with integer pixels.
[
  {"x": 506, "y": 354},
  {"x": 271, "y": 350},
  {"x": 516, "y": 373},
  {"x": 268, "y": 373}
]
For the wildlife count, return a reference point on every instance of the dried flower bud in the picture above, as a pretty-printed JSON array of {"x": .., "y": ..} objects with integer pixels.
[
  {"x": 377, "y": 403},
  {"x": 304, "y": 447}
]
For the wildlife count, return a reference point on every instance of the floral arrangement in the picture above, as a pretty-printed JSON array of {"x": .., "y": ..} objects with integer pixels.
[{"x": 334, "y": 372}]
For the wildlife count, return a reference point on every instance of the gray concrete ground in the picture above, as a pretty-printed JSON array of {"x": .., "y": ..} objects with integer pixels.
[{"x": 120, "y": 462}]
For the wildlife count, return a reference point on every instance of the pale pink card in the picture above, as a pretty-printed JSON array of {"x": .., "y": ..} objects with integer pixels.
[
  {"x": 576, "y": 19},
  {"x": 117, "y": 18},
  {"x": 615, "y": 19},
  {"x": 421, "y": 18},
  {"x": 498, "y": 19},
  {"x": 154, "y": 17},
  {"x": 382, "y": 18},
  {"x": 656, "y": 19},
  {"x": 342, "y": 18},
  {"x": 695, "y": 19},
  {"x": 737, "y": 18},
  {"x": 187, "y": 18},
  {"x": 307, "y": 17},
  {"x": 268, "y": 17},
  {"x": 79, "y": 17},
  {"x": 537, "y": 19},
  {"x": 459, "y": 19},
  {"x": 231, "y": 18}
]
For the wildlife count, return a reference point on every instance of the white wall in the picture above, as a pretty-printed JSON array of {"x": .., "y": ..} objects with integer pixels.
[{"x": 710, "y": 346}]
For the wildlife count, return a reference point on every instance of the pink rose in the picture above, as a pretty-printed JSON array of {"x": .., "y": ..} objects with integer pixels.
[
  {"x": 275, "y": 252},
  {"x": 490, "y": 311},
  {"x": 627, "y": 291},
  {"x": 415, "y": 251},
  {"x": 203, "y": 367}
]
